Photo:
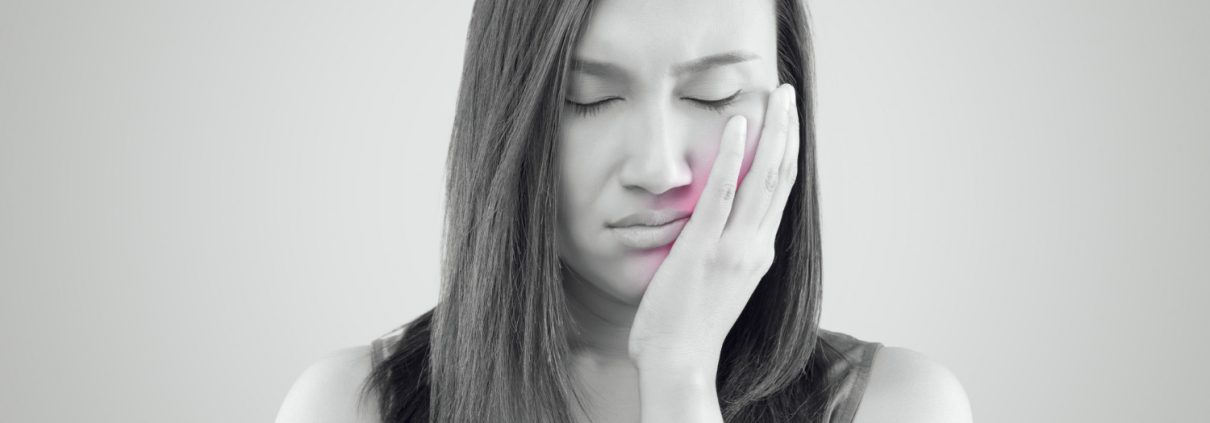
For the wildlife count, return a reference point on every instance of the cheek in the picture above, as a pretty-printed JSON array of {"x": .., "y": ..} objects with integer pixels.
[
  {"x": 573, "y": 202},
  {"x": 583, "y": 181}
]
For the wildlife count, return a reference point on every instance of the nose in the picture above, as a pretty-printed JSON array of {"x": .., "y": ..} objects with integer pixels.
[{"x": 658, "y": 159}]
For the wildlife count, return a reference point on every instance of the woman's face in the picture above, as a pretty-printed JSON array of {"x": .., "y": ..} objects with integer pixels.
[{"x": 653, "y": 84}]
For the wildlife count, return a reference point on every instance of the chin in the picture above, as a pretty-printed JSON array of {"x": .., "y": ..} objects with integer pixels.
[
  {"x": 613, "y": 270},
  {"x": 632, "y": 273}
]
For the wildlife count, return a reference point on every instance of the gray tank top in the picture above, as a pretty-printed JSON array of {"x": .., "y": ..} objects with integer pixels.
[{"x": 849, "y": 376}]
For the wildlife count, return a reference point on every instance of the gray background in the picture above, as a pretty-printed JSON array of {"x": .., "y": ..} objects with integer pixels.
[{"x": 197, "y": 199}]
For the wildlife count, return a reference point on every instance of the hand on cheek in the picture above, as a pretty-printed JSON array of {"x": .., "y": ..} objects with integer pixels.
[
  {"x": 755, "y": 118},
  {"x": 726, "y": 246}
]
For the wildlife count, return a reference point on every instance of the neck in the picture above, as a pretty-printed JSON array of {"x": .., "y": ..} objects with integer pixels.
[{"x": 602, "y": 322}]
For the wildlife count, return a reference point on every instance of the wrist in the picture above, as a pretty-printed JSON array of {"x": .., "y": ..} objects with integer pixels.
[
  {"x": 678, "y": 390},
  {"x": 673, "y": 357},
  {"x": 680, "y": 369}
]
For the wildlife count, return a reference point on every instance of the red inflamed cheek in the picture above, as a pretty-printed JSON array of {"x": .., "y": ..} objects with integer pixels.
[{"x": 690, "y": 201}]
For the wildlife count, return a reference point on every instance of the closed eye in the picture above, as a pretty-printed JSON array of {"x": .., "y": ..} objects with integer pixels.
[
  {"x": 589, "y": 109},
  {"x": 715, "y": 105}
]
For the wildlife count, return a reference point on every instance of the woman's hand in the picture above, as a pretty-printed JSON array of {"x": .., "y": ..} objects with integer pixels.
[{"x": 725, "y": 248}]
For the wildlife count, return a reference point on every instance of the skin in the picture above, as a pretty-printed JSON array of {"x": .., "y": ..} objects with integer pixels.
[
  {"x": 652, "y": 145},
  {"x": 655, "y": 319},
  {"x": 651, "y": 323}
]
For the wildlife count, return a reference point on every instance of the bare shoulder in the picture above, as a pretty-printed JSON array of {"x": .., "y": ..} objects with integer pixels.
[
  {"x": 329, "y": 390},
  {"x": 907, "y": 386}
]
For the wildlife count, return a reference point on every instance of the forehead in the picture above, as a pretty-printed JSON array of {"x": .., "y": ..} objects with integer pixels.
[{"x": 650, "y": 36}]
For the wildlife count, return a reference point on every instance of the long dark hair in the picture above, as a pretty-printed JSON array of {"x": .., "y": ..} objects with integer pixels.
[{"x": 495, "y": 346}]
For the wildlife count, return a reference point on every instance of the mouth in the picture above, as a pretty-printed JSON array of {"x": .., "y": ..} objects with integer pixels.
[{"x": 640, "y": 236}]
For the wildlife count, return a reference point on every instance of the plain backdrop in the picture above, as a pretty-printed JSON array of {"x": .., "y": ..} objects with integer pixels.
[{"x": 198, "y": 199}]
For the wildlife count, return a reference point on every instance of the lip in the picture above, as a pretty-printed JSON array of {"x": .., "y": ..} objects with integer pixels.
[
  {"x": 649, "y": 236},
  {"x": 649, "y": 218}
]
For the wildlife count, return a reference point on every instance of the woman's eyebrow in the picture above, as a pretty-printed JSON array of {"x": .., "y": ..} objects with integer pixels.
[
  {"x": 713, "y": 60},
  {"x": 611, "y": 71}
]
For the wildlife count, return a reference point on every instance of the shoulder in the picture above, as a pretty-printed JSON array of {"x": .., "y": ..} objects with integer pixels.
[
  {"x": 907, "y": 386},
  {"x": 329, "y": 390}
]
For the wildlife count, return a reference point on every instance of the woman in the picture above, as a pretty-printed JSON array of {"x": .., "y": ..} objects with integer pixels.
[{"x": 607, "y": 257}]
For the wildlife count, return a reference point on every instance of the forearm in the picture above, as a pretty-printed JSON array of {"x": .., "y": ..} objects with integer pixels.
[{"x": 672, "y": 392}]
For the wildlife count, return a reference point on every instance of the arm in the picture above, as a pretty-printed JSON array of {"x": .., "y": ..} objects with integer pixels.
[
  {"x": 907, "y": 387},
  {"x": 675, "y": 392},
  {"x": 328, "y": 391}
]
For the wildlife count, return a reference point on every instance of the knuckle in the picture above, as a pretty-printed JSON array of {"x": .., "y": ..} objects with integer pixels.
[
  {"x": 772, "y": 179},
  {"x": 726, "y": 191}
]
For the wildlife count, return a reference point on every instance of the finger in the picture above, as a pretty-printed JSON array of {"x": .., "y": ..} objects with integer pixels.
[
  {"x": 714, "y": 205},
  {"x": 760, "y": 183},
  {"x": 788, "y": 172}
]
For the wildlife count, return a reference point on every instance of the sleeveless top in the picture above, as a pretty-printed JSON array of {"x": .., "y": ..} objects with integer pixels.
[{"x": 849, "y": 376}]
